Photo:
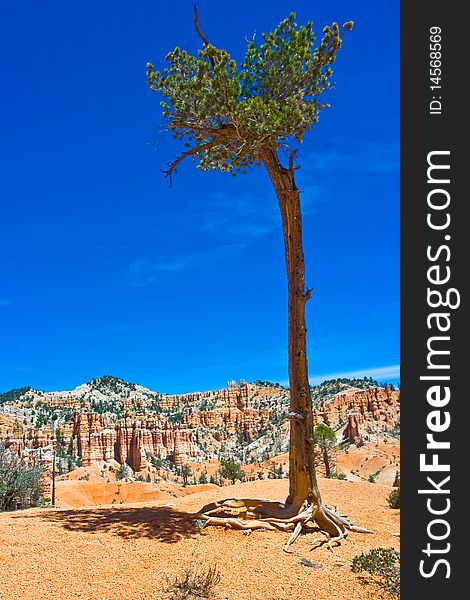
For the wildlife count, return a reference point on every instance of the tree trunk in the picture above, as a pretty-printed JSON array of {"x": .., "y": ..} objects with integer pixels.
[
  {"x": 326, "y": 460},
  {"x": 53, "y": 480},
  {"x": 302, "y": 477},
  {"x": 303, "y": 504}
]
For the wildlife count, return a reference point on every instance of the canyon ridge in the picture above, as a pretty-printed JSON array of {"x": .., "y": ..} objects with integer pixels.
[{"x": 109, "y": 426}]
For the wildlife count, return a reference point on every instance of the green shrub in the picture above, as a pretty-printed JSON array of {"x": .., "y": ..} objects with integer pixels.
[
  {"x": 20, "y": 485},
  {"x": 383, "y": 563},
  {"x": 394, "y": 498},
  {"x": 337, "y": 475},
  {"x": 122, "y": 472}
]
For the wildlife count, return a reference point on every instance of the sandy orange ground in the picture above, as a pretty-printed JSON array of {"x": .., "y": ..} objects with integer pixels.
[
  {"x": 370, "y": 459},
  {"x": 123, "y": 552},
  {"x": 76, "y": 494}
]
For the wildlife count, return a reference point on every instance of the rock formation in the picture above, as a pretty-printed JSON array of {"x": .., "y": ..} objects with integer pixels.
[
  {"x": 234, "y": 411},
  {"x": 92, "y": 439},
  {"x": 130, "y": 439},
  {"x": 377, "y": 407},
  {"x": 354, "y": 428},
  {"x": 139, "y": 423}
]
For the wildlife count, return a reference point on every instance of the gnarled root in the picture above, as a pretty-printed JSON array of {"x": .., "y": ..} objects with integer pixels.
[{"x": 281, "y": 517}]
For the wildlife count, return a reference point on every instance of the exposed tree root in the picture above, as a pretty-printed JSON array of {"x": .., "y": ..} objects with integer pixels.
[{"x": 282, "y": 517}]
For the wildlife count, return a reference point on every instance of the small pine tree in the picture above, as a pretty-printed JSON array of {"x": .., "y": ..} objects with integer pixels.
[
  {"x": 122, "y": 472},
  {"x": 230, "y": 469},
  {"x": 185, "y": 473},
  {"x": 326, "y": 446}
]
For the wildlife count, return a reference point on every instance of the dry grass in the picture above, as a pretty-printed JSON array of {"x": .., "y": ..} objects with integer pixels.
[{"x": 193, "y": 583}]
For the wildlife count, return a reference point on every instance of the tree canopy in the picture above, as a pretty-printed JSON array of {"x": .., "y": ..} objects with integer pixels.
[
  {"x": 227, "y": 113},
  {"x": 324, "y": 433},
  {"x": 230, "y": 469}
]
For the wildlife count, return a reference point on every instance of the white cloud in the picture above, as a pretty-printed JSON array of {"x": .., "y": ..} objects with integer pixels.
[
  {"x": 373, "y": 157},
  {"x": 246, "y": 216},
  {"x": 143, "y": 272}
]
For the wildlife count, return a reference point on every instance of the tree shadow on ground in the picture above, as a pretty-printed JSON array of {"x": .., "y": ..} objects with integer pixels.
[{"x": 162, "y": 522}]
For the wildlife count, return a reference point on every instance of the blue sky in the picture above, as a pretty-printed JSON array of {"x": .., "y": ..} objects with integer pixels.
[{"x": 106, "y": 270}]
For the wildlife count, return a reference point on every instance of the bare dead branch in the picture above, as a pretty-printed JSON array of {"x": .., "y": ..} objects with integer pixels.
[
  {"x": 294, "y": 415},
  {"x": 192, "y": 152},
  {"x": 308, "y": 294},
  {"x": 205, "y": 41},
  {"x": 252, "y": 41},
  {"x": 292, "y": 156}
]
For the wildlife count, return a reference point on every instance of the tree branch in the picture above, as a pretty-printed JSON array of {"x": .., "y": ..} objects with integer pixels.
[
  {"x": 252, "y": 41},
  {"x": 205, "y": 41},
  {"x": 192, "y": 152},
  {"x": 294, "y": 415},
  {"x": 225, "y": 135},
  {"x": 293, "y": 168},
  {"x": 225, "y": 129}
]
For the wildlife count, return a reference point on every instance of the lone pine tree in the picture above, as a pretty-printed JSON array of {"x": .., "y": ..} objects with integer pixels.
[
  {"x": 325, "y": 447},
  {"x": 230, "y": 469},
  {"x": 230, "y": 118}
]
